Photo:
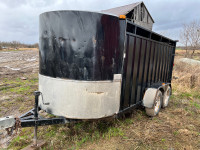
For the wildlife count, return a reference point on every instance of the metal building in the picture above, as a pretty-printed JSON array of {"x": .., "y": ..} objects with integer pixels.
[{"x": 136, "y": 13}]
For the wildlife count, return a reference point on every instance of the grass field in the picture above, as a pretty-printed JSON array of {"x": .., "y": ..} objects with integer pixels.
[{"x": 176, "y": 127}]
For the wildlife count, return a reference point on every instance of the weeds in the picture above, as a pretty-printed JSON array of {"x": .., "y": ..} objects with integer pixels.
[{"x": 17, "y": 93}]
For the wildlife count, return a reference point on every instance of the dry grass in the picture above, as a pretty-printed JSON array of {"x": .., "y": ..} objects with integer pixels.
[
  {"x": 185, "y": 73},
  {"x": 182, "y": 53},
  {"x": 28, "y": 48}
]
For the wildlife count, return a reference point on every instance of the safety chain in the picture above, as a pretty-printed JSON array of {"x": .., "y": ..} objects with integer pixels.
[{"x": 17, "y": 124}]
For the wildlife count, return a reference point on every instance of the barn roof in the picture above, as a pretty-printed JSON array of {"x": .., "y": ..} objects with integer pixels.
[{"x": 124, "y": 10}]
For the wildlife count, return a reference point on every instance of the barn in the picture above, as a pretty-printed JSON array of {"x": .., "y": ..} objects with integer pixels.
[{"x": 136, "y": 13}]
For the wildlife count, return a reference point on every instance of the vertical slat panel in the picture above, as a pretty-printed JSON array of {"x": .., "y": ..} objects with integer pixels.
[
  {"x": 155, "y": 63},
  {"x": 158, "y": 63},
  {"x": 132, "y": 70},
  {"x": 164, "y": 62},
  {"x": 160, "y": 60},
  {"x": 161, "y": 63},
  {"x": 144, "y": 70},
  {"x": 140, "y": 69},
  {"x": 170, "y": 64},
  {"x": 152, "y": 59},
  {"x": 167, "y": 64},
  {"x": 135, "y": 70},
  {"x": 129, "y": 56},
  {"x": 147, "y": 62},
  {"x": 124, "y": 75}
]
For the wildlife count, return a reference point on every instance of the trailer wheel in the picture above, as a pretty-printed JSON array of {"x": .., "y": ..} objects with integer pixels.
[
  {"x": 157, "y": 105},
  {"x": 166, "y": 97}
]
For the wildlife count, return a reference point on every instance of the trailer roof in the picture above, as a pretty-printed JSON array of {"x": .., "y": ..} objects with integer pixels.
[{"x": 124, "y": 10}]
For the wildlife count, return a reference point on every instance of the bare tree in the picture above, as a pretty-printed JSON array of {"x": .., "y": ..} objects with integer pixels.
[
  {"x": 190, "y": 36},
  {"x": 184, "y": 38}
]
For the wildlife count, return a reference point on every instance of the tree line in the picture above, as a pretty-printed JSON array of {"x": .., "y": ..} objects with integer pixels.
[
  {"x": 190, "y": 36},
  {"x": 16, "y": 45}
]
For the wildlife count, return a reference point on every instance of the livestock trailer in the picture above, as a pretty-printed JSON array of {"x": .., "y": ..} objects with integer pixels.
[{"x": 96, "y": 65}]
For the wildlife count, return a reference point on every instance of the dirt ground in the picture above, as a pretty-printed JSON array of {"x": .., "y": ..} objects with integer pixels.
[
  {"x": 17, "y": 63},
  {"x": 176, "y": 127}
]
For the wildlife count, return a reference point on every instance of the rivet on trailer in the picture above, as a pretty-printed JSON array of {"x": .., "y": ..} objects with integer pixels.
[{"x": 96, "y": 65}]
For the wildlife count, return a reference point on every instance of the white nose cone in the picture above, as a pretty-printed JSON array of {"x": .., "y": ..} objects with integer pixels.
[{"x": 80, "y": 99}]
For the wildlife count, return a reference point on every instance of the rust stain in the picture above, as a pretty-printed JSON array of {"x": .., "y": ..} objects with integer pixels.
[
  {"x": 94, "y": 40},
  {"x": 96, "y": 92},
  {"x": 99, "y": 92}
]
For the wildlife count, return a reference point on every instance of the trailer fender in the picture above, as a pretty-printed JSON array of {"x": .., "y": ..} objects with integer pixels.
[{"x": 149, "y": 97}]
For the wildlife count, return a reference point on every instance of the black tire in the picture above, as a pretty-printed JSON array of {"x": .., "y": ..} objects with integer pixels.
[
  {"x": 157, "y": 105},
  {"x": 166, "y": 97}
]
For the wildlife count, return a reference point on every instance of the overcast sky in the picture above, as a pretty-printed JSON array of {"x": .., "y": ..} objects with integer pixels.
[{"x": 19, "y": 18}]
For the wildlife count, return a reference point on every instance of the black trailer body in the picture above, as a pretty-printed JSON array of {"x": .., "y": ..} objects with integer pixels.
[{"x": 95, "y": 65}]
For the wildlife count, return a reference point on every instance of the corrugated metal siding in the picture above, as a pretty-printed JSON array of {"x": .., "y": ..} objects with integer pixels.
[{"x": 133, "y": 13}]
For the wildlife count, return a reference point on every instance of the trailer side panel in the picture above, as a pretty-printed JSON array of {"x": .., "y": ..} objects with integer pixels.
[{"x": 148, "y": 61}]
